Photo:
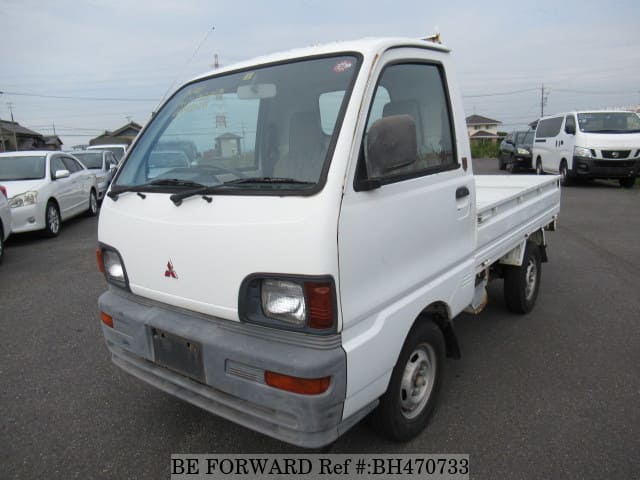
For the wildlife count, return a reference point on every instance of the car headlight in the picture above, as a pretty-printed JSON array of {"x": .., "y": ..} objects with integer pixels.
[
  {"x": 289, "y": 302},
  {"x": 110, "y": 263},
  {"x": 284, "y": 301},
  {"x": 23, "y": 199},
  {"x": 523, "y": 151},
  {"x": 581, "y": 152}
]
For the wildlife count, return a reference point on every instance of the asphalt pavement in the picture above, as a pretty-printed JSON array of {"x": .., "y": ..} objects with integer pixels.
[{"x": 551, "y": 394}]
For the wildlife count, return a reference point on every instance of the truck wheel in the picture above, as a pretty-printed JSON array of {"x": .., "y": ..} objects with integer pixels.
[
  {"x": 406, "y": 406},
  {"x": 539, "y": 170},
  {"x": 52, "y": 220},
  {"x": 628, "y": 182},
  {"x": 521, "y": 284}
]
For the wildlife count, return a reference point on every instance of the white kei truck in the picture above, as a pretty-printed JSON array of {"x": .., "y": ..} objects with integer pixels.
[{"x": 303, "y": 270}]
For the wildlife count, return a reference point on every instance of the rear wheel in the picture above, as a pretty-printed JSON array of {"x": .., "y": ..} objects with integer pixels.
[
  {"x": 411, "y": 396},
  {"x": 52, "y": 220},
  {"x": 521, "y": 284},
  {"x": 628, "y": 182}
]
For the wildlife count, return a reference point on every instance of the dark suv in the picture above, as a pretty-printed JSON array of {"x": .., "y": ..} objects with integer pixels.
[{"x": 515, "y": 151}]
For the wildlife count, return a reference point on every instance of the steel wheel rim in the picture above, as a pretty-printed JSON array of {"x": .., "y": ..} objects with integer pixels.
[
  {"x": 530, "y": 278},
  {"x": 417, "y": 381},
  {"x": 53, "y": 219}
]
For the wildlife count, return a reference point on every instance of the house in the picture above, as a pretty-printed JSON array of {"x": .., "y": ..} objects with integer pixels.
[
  {"x": 228, "y": 145},
  {"x": 122, "y": 135},
  {"x": 52, "y": 142},
  {"x": 12, "y": 132},
  {"x": 482, "y": 128}
]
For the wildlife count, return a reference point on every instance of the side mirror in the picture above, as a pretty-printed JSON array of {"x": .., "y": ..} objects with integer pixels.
[
  {"x": 570, "y": 129},
  {"x": 61, "y": 174},
  {"x": 391, "y": 144}
]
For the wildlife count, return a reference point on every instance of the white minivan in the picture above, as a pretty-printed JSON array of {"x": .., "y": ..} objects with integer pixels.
[{"x": 587, "y": 145}]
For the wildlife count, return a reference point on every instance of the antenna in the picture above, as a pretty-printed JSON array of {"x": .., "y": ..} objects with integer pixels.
[{"x": 185, "y": 66}]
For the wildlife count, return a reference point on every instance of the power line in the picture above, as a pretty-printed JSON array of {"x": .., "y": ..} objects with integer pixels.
[
  {"x": 69, "y": 97},
  {"x": 499, "y": 93}
]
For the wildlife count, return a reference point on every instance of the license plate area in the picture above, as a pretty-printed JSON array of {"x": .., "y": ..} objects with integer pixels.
[{"x": 178, "y": 354}]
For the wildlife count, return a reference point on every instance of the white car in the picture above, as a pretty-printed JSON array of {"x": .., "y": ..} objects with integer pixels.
[
  {"x": 117, "y": 149},
  {"x": 101, "y": 162},
  {"x": 46, "y": 187},
  {"x": 5, "y": 220}
]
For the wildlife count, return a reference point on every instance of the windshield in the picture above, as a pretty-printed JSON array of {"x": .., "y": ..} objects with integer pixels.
[
  {"x": 266, "y": 130},
  {"x": 609, "y": 122},
  {"x": 22, "y": 168},
  {"x": 91, "y": 160},
  {"x": 527, "y": 138}
]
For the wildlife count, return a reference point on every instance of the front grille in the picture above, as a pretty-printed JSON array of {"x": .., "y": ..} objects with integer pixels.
[
  {"x": 613, "y": 164},
  {"x": 615, "y": 153}
]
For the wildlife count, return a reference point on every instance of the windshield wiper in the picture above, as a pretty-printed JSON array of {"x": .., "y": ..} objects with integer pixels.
[
  {"x": 160, "y": 182},
  {"x": 293, "y": 181}
]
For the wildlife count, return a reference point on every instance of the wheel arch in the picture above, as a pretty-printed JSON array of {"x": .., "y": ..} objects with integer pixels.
[{"x": 440, "y": 313}]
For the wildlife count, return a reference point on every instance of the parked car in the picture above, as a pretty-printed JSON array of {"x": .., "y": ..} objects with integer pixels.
[
  {"x": 45, "y": 188},
  {"x": 515, "y": 151},
  {"x": 117, "y": 149},
  {"x": 5, "y": 219},
  {"x": 103, "y": 163},
  {"x": 320, "y": 284},
  {"x": 589, "y": 144}
]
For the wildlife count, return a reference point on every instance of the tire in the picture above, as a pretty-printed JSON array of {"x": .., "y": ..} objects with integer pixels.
[
  {"x": 628, "y": 182},
  {"x": 52, "y": 220},
  {"x": 539, "y": 170},
  {"x": 511, "y": 165},
  {"x": 521, "y": 284},
  {"x": 93, "y": 204},
  {"x": 419, "y": 370},
  {"x": 501, "y": 164},
  {"x": 565, "y": 179}
]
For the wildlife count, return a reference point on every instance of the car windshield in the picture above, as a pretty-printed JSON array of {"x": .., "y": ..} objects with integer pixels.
[
  {"x": 268, "y": 130},
  {"x": 92, "y": 160},
  {"x": 527, "y": 138},
  {"x": 609, "y": 122},
  {"x": 22, "y": 167}
]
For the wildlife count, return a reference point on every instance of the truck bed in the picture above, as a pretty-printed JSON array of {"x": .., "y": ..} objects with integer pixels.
[{"x": 509, "y": 208}]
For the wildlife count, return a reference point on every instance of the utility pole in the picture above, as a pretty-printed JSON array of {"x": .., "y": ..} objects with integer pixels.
[
  {"x": 53, "y": 124},
  {"x": 543, "y": 99},
  {"x": 15, "y": 138}
]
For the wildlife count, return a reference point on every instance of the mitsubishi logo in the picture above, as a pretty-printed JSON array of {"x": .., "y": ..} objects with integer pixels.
[
  {"x": 615, "y": 154},
  {"x": 170, "y": 272}
]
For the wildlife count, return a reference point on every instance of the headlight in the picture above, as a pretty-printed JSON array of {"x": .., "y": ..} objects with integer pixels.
[
  {"x": 291, "y": 302},
  {"x": 284, "y": 301},
  {"x": 581, "y": 152},
  {"x": 523, "y": 151},
  {"x": 23, "y": 199},
  {"x": 110, "y": 263}
]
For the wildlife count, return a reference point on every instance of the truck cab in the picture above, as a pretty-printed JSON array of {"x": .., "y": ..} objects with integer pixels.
[{"x": 306, "y": 269}]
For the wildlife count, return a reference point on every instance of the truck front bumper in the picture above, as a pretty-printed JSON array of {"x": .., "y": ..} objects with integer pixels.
[
  {"x": 232, "y": 360},
  {"x": 584, "y": 167}
]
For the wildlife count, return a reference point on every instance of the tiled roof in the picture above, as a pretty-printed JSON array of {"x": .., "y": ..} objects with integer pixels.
[{"x": 480, "y": 120}]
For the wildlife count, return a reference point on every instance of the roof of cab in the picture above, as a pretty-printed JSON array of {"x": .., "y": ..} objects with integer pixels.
[{"x": 366, "y": 46}]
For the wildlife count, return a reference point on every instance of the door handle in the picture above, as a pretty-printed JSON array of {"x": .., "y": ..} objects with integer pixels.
[{"x": 462, "y": 192}]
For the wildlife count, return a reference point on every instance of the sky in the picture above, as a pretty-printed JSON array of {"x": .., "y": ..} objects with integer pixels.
[{"x": 115, "y": 60}]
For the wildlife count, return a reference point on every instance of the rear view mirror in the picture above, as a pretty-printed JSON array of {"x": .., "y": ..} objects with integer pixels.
[
  {"x": 61, "y": 174},
  {"x": 570, "y": 129},
  {"x": 256, "y": 91},
  {"x": 391, "y": 144}
]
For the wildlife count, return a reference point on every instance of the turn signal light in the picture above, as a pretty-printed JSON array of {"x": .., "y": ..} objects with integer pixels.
[
  {"x": 320, "y": 304},
  {"x": 106, "y": 319},
  {"x": 99, "y": 259},
  {"x": 304, "y": 386}
]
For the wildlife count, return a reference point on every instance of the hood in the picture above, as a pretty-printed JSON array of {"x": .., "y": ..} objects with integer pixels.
[
  {"x": 622, "y": 141},
  {"x": 196, "y": 256},
  {"x": 16, "y": 187}
]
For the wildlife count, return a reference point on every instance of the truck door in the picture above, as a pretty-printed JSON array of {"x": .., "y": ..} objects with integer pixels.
[{"x": 411, "y": 225}]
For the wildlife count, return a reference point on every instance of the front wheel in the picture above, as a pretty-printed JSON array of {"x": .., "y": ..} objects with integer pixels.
[
  {"x": 511, "y": 164},
  {"x": 411, "y": 396},
  {"x": 628, "y": 182},
  {"x": 539, "y": 170},
  {"x": 521, "y": 284},
  {"x": 1, "y": 244},
  {"x": 565, "y": 179},
  {"x": 93, "y": 204},
  {"x": 52, "y": 220}
]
